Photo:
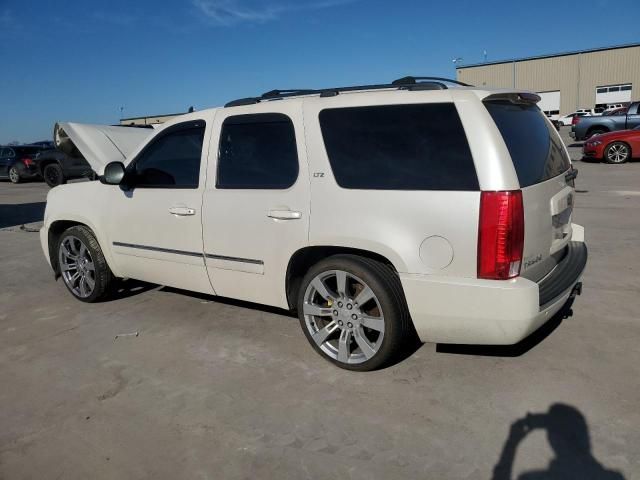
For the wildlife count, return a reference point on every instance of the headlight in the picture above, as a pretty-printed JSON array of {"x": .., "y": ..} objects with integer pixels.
[{"x": 595, "y": 143}]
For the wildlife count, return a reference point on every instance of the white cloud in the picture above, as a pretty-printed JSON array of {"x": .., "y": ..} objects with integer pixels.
[{"x": 231, "y": 12}]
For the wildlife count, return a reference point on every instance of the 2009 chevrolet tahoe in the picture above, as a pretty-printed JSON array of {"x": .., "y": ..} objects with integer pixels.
[{"x": 377, "y": 212}]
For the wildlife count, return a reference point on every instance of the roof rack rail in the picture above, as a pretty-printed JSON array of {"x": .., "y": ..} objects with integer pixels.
[
  {"x": 416, "y": 80},
  {"x": 405, "y": 83}
]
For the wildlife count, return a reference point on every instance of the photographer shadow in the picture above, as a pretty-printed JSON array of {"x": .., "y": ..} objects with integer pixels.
[{"x": 568, "y": 436}]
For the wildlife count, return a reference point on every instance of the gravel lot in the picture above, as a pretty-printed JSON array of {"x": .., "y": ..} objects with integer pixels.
[{"x": 213, "y": 388}]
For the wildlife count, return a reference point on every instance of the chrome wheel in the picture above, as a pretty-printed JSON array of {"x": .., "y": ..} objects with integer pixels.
[
  {"x": 617, "y": 153},
  {"x": 14, "y": 176},
  {"x": 77, "y": 267},
  {"x": 343, "y": 317}
]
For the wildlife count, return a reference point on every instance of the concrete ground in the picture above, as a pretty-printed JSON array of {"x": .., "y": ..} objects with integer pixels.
[{"x": 214, "y": 389}]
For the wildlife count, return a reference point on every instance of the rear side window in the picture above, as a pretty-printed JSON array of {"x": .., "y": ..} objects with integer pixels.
[
  {"x": 534, "y": 145},
  {"x": 27, "y": 150},
  {"x": 398, "y": 147},
  {"x": 257, "y": 151}
]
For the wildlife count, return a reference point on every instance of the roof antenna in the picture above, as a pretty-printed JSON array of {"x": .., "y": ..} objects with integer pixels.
[{"x": 191, "y": 109}]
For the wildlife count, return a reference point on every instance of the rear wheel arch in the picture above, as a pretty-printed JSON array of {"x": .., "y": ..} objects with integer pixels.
[
  {"x": 43, "y": 163},
  {"x": 596, "y": 129},
  {"x": 305, "y": 258}
]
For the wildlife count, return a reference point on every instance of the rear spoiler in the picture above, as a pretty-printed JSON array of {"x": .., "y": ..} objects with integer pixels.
[
  {"x": 99, "y": 144},
  {"x": 519, "y": 98}
]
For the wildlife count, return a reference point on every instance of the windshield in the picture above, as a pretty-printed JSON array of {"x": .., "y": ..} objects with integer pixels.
[{"x": 535, "y": 147}]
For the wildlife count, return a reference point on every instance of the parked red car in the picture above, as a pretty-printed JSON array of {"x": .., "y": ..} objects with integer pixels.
[{"x": 614, "y": 147}]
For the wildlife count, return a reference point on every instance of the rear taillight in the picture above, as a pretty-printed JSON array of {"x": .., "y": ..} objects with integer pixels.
[
  {"x": 500, "y": 235},
  {"x": 27, "y": 161},
  {"x": 575, "y": 120}
]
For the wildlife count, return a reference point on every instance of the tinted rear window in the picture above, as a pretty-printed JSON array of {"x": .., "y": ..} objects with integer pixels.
[
  {"x": 398, "y": 147},
  {"x": 26, "y": 150},
  {"x": 257, "y": 151},
  {"x": 535, "y": 147}
]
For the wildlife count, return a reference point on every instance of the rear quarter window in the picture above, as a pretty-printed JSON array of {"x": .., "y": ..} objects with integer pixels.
[
  {"x": 398, "y": 147},
  {"x": 535, "y": 147}
]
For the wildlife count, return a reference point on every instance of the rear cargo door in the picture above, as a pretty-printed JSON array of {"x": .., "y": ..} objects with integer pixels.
[{"x": 541, "y": 162}]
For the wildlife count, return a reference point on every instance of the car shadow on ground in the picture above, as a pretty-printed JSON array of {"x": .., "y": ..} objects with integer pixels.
[
  {"x": 12, "y": 215},
  {"x": 515, "y": 350},
  {"x": 230, "y": 301},
  {"x": 130, "y": 288},
  {"x": 407, "y": 351},
  {"x": 568, "y": 436}
]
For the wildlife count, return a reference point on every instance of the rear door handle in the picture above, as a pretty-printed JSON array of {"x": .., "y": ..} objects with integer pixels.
[
  {"x": 284, "y": 214},
  {"x": 182, "y": 211}
]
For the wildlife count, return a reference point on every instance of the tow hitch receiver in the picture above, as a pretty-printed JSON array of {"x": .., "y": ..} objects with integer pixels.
[{"x": 577, "y": 290}]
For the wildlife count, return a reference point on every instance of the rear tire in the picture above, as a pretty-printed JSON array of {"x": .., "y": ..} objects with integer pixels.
[
  {"x": 353, "y": 312},
  {"x": 14, "y": 175},
  {"x": 53, "y": 175},
  {"x": 83, "y": 266},
  {"x": 617, "y": 152}
]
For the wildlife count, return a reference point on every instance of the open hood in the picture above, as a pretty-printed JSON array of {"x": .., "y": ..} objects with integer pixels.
[{"x": 99, "y": 144}]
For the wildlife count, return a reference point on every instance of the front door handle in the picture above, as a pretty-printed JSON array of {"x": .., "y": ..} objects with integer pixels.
[
  {"x": 284, "y": 214},
  {"x": 182, "y": 211}
]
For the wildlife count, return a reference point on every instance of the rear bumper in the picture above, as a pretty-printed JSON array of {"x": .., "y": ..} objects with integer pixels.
[
  {"x": 27, "y": 172},
  {"x": 490, "y": 312}
]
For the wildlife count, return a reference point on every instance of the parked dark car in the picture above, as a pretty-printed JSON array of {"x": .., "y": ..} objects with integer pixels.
[
  {"x": 17, "y": 163},
  {"x": 57, "y": 167},
  {"x": 44, "y": 144},
  {"x": 590, "y": 126}
]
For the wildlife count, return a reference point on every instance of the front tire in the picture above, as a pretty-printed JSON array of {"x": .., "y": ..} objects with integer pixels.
[
  {"x": 617, "y": 152},
  {"x": 353, "y": 312},
  {"x": 83, "y": 266},
  {"x": 14, "y": 175},
  {"x": 53, "y": 175}
]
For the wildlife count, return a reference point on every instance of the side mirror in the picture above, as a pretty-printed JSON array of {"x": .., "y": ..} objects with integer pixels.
[{"x": 113, "y": 173}]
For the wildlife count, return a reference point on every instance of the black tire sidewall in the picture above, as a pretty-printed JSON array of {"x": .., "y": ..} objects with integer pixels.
[
  {"x": 56, "y": 167},
  {"x": 379, "y": 278},
  {"x": 103, "y": 275}
]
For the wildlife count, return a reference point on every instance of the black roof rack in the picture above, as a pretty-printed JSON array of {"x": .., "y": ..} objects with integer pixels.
[
  {"x": 404, "y": 83},
  {"x": 417, "y": 80}
]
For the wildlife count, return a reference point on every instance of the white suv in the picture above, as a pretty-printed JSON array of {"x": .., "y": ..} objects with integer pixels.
[{"x": 377, "y": 212}]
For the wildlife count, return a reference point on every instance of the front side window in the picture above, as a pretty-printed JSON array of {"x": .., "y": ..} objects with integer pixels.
[
  {"x": 257, "y": 151},
  {"x": 398, "y": 147},
  {"x": 171, "y": 160}
]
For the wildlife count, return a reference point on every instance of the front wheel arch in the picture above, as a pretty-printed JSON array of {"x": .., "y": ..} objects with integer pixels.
[{"x": 57, "y": 228}]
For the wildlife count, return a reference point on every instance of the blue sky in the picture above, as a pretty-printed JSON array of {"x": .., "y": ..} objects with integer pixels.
[{"x": 81, "y": 60}]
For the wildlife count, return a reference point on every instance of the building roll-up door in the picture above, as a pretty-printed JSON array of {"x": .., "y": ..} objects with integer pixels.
[{"x": 550, "y": 103}]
